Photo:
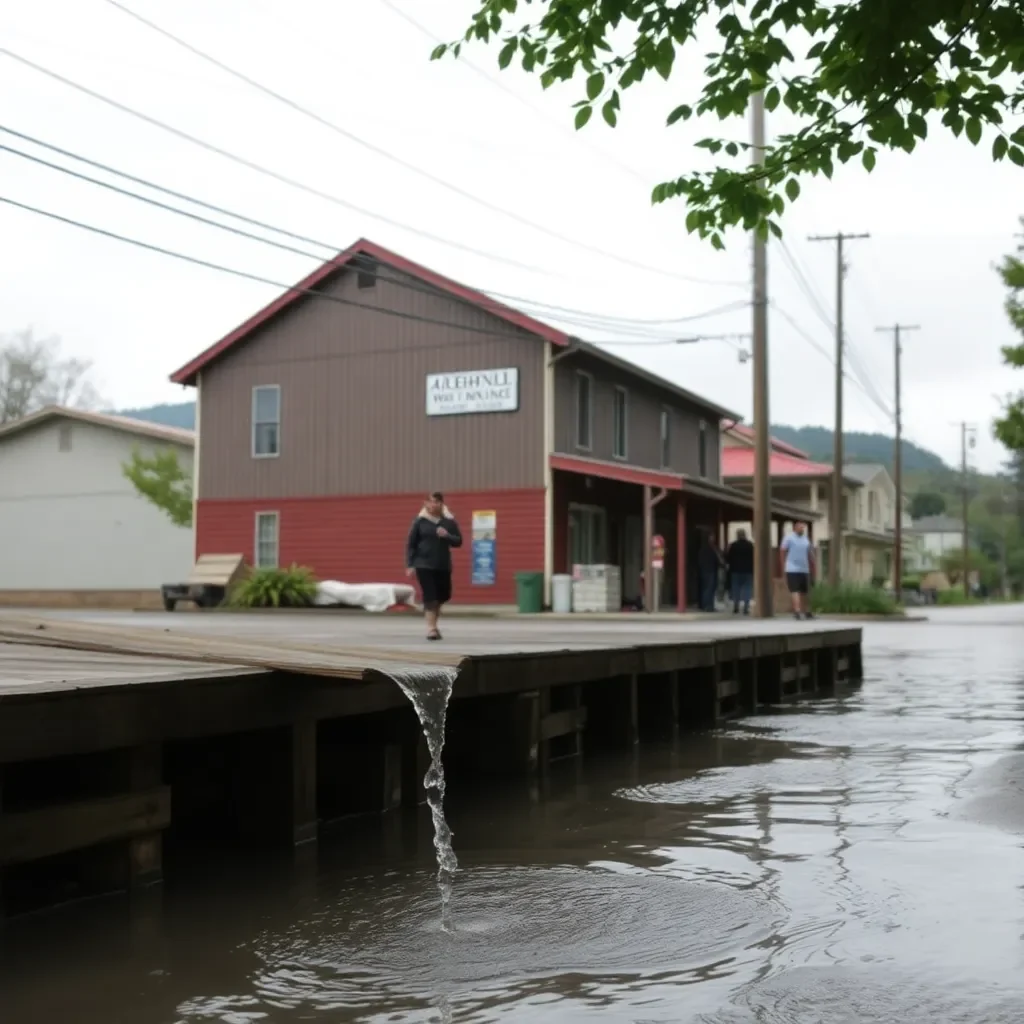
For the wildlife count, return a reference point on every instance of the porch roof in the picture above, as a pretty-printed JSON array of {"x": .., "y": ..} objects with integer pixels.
[
  {"x": 699, "y": 488},
  {"x": 882, "y": 540}
]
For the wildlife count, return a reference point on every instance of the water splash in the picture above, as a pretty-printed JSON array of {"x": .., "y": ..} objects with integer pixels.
[{"x": 429, "y": 690}]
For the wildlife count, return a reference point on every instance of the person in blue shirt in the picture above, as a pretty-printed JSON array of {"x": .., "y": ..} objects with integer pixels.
[{"x": 796, "y": 553}]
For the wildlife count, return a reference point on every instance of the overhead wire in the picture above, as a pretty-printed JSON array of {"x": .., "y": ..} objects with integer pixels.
[
  {"x": 579, "y": 318},
  {"x": 408, "y": 165}
]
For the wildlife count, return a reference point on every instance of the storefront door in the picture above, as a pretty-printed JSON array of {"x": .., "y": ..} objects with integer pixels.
[{"x": 588, "y": 535}]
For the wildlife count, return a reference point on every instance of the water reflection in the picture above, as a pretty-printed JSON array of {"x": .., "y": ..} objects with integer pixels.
[{"x": 851, "y": 860}]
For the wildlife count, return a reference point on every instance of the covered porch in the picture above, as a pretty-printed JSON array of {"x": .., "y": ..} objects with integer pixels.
[{"x": 609, "y": 513}]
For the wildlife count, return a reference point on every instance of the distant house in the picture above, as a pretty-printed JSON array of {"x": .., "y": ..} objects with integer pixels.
[
  {"x": 933, "y": 537},
  {"x": 73, "y": 530},
  {"x": 326, "y": 417}
]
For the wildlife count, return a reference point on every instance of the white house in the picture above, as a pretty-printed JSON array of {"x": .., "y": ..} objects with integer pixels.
[
  {"x": 73, "y": 530},
  {"x": 934, "y": 537}
]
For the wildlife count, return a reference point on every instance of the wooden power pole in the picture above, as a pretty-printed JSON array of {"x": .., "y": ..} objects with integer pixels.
[
  {"x": 897, "y": 459},
  {"x": 763, "y": 577},
  {"x": 835, "y": 505},
  {"x": 966, "y": 432}
]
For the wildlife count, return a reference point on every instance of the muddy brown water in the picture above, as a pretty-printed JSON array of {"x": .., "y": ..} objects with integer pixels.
[{"x": 856, "y": 859}]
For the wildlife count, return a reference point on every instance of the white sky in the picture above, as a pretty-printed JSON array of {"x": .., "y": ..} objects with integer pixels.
[{"x": 938, "y": 219}]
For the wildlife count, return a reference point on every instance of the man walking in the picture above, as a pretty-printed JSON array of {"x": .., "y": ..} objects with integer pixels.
[
  {"x": 740, "y": 560},
  {"x": 796, "y": 556},
  {"x": 709, "y": 562}
]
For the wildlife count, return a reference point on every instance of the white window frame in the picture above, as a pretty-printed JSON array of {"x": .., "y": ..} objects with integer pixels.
[
  {"x": 276, "y": 516},
  {"x": 624, "y": 393},
  {"x": 254, "y": 423},
  {"x": 665, "y": 436},
  {"x": 588, "y": 446}
]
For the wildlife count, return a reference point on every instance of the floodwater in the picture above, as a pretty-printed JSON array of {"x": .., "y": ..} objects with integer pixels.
[{"x": 843, "y": 861}]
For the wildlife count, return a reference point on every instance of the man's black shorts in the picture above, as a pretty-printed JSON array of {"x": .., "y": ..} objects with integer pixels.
[{"x": 798, "y": 582}]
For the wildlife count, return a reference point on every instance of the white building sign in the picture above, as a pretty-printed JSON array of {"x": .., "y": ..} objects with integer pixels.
[{"x": 450, "y": 394}]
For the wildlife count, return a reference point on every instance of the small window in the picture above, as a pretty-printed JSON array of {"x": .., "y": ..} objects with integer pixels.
[
  {"x": 64, "y": 437},
  {"x": 366, "y": 272},
  {"x": 702, "y": 449},
  {"x": 621, "y": 416},
  {"x": 666, "y": 438},
  {"x": 265, "y": 553},
  {"x": 266, "y": 421},
  {"x": 584, "y": 411}
]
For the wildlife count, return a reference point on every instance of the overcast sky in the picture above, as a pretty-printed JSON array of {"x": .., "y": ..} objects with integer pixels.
[{"x": 938, "y": 219}]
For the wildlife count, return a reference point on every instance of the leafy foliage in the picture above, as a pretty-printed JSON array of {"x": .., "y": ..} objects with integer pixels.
[
  {"x": 161, "y": 480},
  {"x": 859, "y": 447},
  {"x": 863, "y": 77},
  {"x": 177, "y": 414},
  {"x": 34, "y": 374},
  {"x": 851, "y": 599},
  {"x": 294, "y": 587},
  {"x": 927, "y": 503},
  {"x": 1009, "y": 427}
]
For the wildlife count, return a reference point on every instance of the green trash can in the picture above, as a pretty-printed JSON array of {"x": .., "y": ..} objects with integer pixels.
[{"x": 530, "y": 592}]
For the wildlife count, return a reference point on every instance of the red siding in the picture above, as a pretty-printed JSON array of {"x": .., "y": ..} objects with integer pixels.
[{"x": 362, "y": 539}]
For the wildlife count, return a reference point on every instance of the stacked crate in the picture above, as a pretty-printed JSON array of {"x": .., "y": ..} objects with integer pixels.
[{"x": 596, "y": 588}]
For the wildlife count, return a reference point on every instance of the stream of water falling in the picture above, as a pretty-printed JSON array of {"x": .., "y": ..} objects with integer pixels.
[{"x": 429, "y": 691}]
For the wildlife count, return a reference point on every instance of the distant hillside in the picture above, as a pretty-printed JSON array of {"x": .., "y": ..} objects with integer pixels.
[
  {"x": 817, "y": 442},
  {"x": 181, "y": 415}
]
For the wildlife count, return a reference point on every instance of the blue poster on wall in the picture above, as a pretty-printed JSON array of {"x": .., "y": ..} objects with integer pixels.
[{"x": 484, "y": 545}]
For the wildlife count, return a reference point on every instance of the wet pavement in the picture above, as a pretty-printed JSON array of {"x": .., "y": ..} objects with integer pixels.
[{"x": 849, "y": 860}]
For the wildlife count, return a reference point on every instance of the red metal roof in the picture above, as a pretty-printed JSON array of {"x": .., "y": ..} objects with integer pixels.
[
  {"x": 616, "y": 471},
  {"x": 739, "y": 462},
  {"x": 364, "y": 247},
  {"x": 780, "y": 446}
]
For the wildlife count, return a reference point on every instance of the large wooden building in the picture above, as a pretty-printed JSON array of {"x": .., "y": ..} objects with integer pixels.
[{"x": 325, "y": 418}]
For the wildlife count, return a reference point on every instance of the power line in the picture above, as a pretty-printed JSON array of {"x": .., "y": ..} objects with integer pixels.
[
  {"x": 406, "y": 164},
  {"x": 580, "y": 318},
  {"x": 291, "y": 289}
]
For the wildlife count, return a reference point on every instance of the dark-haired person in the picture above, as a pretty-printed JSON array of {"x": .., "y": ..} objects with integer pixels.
[
  {"x": 428, "y": 557},
  {"x": 796, "y": 553}
]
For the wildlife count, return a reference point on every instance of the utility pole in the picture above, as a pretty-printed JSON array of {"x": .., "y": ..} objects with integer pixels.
[
  {"x": 835, "y": 505},
  {"x": 966, "y": 435},
  {"x": 897, "y": 460},
  {"x": 763, "y": 576}
]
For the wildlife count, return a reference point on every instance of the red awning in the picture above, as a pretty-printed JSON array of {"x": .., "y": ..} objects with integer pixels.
[{"x": 616, "y": 471}]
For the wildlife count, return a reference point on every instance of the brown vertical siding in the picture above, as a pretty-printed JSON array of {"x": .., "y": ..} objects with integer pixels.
[
  {"x": 353, "y": 395},
  {"x": 643, "y": 420}
]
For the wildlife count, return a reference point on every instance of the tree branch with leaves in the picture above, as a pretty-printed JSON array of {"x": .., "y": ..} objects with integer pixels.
[
  {"x": 864, "y": 77},
  {"x": 162, "y": 481},
  {"x": 1009, "y": 428}
]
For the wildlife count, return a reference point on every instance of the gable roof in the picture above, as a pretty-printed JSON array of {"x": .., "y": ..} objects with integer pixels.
[
  {"x": 864, "y": 471},
  {"x": 364, "y": 247},
  {"x": 463, "y": 293},
  {"x": 747, "y": 434},
  {"x": 140, "y": 428},
  {"x": 739, "y": 462}
]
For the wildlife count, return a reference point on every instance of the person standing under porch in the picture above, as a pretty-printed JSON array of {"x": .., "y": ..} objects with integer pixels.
[
  {"x": 709, "y": 562},
  {"x": 797, "y": 557},
  {"x": 740, "y": 559},
  {"x": 428, "y": 557}
]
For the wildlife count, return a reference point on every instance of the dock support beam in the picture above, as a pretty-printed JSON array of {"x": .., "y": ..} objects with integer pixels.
[
  {"x": 145, "y": 852},
  {"x": 303, "y": 782}
]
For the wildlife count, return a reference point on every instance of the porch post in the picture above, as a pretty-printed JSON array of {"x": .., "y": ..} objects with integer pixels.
[
  {"x": 646, "y": 560},
  {"x": 681, "y": 555}
]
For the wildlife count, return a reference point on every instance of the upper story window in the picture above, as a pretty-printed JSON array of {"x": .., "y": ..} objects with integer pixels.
[
  {"x": 666, "y": 437},
  {"x": 620, "y": 416},
  {"x": 584, "y": 411},
  {"x": 266, "y": 421},
  {"x": 702, "y": 449},
  {"x": 64, "y": 437},
  {"x": 265, "y": 550}
]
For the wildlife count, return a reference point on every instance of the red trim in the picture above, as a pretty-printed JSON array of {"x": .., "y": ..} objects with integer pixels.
[
  {"x": 187, "y": 374},
  {"x": 739, "y": 462},
  {"x": 614, "y": 471}
]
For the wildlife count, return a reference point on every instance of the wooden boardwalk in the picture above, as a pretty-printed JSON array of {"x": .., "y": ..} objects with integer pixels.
[{"x": 274, "y": 723}]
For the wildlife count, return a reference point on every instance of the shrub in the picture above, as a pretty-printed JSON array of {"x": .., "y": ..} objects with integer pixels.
[
  {"x": 294, "y": 587},
  {"x": 954, "y": 596},
  {"x": 851, "y": 599},
  {"x": 912, "y": 581}
]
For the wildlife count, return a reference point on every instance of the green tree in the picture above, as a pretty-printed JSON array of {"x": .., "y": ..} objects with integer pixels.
[
  {"x": 927, "y": 503},
  {"x": 860, "y": 76},
  {"x": 161, "y": 480},
  {"x": 1009, "y": 427}
]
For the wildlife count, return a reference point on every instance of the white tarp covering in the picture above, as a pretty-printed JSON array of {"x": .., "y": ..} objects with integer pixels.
[{"x": 374, "y": 597}]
